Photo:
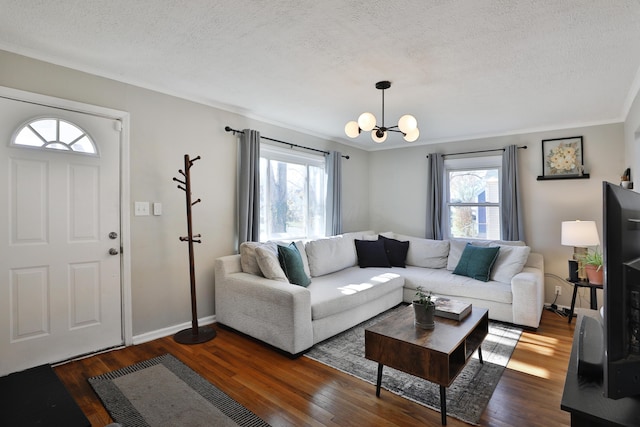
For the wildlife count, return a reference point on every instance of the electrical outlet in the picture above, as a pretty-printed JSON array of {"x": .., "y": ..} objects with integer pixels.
[{"x": 558, "y": 290}]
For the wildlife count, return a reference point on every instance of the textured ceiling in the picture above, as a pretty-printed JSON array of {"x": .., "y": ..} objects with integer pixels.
[{"x": 464, "y": 69}]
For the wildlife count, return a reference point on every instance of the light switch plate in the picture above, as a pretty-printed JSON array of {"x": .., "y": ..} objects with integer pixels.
[
  {"x": 157, "y": 208},
  {"x": 141, "y": 209}
]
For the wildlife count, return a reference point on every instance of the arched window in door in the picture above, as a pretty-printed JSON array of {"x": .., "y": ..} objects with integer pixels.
[{"x": 55, "y": 134}]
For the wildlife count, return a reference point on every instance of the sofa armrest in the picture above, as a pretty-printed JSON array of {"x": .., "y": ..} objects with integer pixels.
[
  {"x": 275, "y": 312},
  {"x": 527, "y": 288}
]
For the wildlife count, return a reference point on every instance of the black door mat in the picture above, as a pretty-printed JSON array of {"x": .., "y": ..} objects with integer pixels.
[{"x": 37, "y": 397}]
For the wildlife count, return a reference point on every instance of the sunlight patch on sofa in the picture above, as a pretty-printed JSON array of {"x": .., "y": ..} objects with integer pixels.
[{"x": 354, "y": 288}]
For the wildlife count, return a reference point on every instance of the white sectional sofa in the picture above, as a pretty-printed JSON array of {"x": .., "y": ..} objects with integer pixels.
[{"x": 253, "y": 294}]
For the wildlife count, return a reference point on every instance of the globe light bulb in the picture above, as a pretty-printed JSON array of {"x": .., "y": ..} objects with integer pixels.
[
  {"x": 412, "y": 135},
  {"x": 352, "y": 129},
  {"x": 378, "y": 136},
  {"x": 407, "y": 123},
  {"x": 367, "y": 121}
]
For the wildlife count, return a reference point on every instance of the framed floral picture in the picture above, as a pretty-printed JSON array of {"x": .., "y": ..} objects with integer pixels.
[{"x": 562, "y": 157}]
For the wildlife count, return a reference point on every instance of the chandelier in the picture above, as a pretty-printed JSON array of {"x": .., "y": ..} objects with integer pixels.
[{"x": 407, "y": 125}]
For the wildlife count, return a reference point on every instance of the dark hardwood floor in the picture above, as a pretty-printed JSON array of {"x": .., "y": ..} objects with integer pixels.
[{"x": 302, "y": 392}]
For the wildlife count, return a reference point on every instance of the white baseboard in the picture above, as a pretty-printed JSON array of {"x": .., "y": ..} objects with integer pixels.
[{"x": 171, "y": 330}]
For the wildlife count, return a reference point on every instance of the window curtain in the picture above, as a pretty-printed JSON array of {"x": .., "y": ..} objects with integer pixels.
[
  {"x": 435, "y": 197},
  {"x": 249, "y": 187},
  {"x": 512, "y": 228},
  {"x": 334, "y": 193}
]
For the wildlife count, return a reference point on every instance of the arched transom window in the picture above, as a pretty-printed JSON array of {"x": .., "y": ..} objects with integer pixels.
[{"x": 55, "y": 134}]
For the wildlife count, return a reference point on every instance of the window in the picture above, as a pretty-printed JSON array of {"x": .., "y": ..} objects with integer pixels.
[
  {"x": 292, "y": 194},
  {"x": 472, "y": 197},
  {"x": 55, "y": 134}
]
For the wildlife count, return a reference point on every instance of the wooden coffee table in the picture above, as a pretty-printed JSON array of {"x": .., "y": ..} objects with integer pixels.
[{"x": 437, "y": 355}]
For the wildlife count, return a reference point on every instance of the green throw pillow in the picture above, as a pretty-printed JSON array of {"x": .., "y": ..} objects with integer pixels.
[
  {"x": 291, "y": 263},
  {"x": 476, "y": 262}
]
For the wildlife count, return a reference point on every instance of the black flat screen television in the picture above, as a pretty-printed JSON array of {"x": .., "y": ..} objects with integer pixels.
[{"x": 621, "y": 252}]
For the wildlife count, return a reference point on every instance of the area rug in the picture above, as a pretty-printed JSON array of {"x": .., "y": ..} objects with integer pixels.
[
  {"x": 165, "y": 392},
  {"x": 467, "y": 397}
]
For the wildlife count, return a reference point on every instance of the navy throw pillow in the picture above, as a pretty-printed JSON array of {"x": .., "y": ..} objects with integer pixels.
[
  {"x": 396, "y": 251},
  {"x": 371, "y": 253}
]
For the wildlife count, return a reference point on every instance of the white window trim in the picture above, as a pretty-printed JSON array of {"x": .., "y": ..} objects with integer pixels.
[
  {"x": 467, "y": 163},
  {"x": 288, "y": 155}
]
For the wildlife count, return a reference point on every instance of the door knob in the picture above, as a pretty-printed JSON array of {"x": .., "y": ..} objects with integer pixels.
[
  {"x": 113, "y": 235},
  {"x": 113, "y": 251}
]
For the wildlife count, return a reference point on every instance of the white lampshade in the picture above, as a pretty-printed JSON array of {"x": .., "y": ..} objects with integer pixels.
[
  {"x": 579, "y": 234},
  {"x": 367, "y": 121},
  {"x": 412, "y": 135},
  {"x": 407, "y": 123},
  {"x": 352, "y": 129},
  {"x": 376, "y": 139}
]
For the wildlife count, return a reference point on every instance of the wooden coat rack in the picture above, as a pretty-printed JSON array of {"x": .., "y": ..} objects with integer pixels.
[{"x": 195, "y": 334}]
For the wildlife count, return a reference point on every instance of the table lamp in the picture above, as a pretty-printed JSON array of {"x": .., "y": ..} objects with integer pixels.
[{"x": 580, "y": 235}]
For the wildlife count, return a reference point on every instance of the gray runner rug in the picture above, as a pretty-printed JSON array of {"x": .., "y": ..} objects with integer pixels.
[
  {"x": 467, "y": 397},
  {"x": 165, "y": 392}
]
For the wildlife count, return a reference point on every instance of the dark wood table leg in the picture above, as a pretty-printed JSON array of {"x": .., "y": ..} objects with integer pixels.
[
  {"x": 480, "y": 354},
  {"x": 379, "y": 382},
  {"x": 573, "y": 302},
  {"x": 594, "y": 298},
  {"x": 443, "y": 404}
]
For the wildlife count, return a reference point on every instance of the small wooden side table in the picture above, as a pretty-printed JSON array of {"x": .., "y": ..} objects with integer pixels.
[{"x": 583, "y": 284}]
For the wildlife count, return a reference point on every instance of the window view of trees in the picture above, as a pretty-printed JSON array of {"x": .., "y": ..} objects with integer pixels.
[
  {"x": 474, "y": 203},
  {"x": 292, "y": 198}
]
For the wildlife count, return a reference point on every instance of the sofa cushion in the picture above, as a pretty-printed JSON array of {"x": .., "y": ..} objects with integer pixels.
[
  {"x": 331, "y": 254},
  {"x": 291, "y": 263},
  {"x": 350, "y": 288},
  {"x": 476, "y": 262},
  {"x": 267, "y": 257},
  {"x": 371, "y": 253},
  {"x": 510, "y": 261},
  {"x": 396, "y": 251},
  {"x": 424, "y": 252},
  {"x": 443, "y": 282}
]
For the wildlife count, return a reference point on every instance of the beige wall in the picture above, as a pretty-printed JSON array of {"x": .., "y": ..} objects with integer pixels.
[
  {"x": 164, "y": 129},
  {"x": 398, "y": 195}
]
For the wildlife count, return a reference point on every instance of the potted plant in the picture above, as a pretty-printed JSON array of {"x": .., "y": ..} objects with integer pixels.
[
  {"x": 424, "y": 309},
  {"x": 592, "y": 264}
]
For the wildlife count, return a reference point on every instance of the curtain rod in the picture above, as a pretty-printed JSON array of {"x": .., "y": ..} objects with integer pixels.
[
  {"x": 228, "y": 129},
  {"x": 524, "y": 147}
]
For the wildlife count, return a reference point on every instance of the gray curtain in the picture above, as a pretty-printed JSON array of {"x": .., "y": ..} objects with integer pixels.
[
  {"x": 512, "y": 228},
  {"x": 334, "y": 193},
  {"x": 249, "y": 187},
  {"x": 435, "y": 196}
]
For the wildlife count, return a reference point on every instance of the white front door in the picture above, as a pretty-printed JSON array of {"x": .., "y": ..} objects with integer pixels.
[{"x": 60, "y": 287}]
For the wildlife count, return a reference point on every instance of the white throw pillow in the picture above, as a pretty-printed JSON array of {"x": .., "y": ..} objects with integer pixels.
[
  {"x": 269, "y": 263},
  {"x": 332, "y": 254},
  {"x": 511, "y": 260},
  {"x": 248, "y": 258},
  {"x": 426, "y": 253},
  {"x": 303, "y": 255}
]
